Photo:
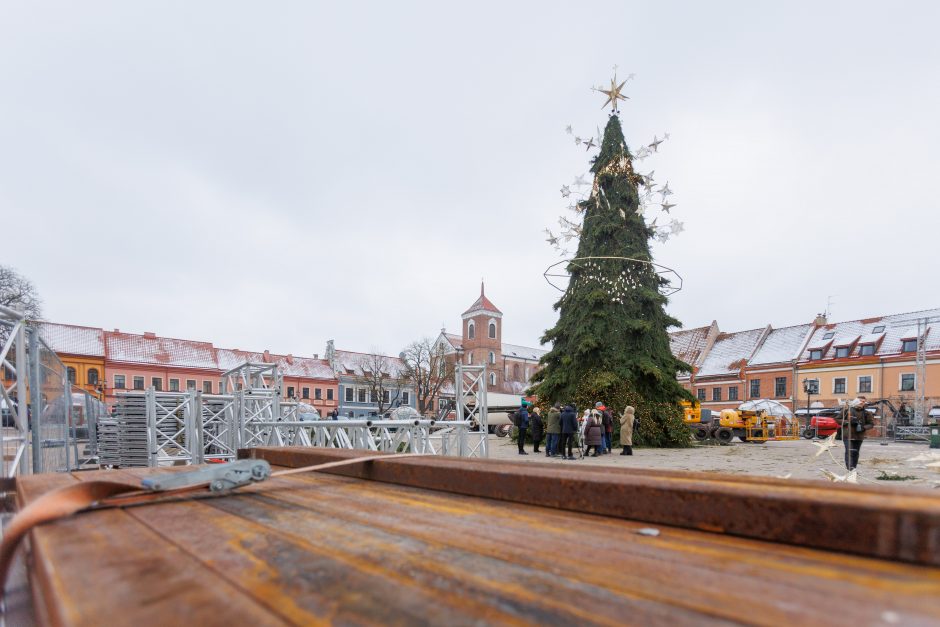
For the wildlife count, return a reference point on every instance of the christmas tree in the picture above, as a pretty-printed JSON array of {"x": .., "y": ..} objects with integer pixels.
[{"x": 611, "y": 342}]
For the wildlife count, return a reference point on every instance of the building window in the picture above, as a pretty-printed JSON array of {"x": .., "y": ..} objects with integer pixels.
[
  {"x": 470, "y": 358},
  {"x": 207, "y": 387},
  {"x": 866, "y": 349},
  {"x": 119, "y": 382},
  {"x": 92, "y": 376},
  {"x": 442, "y": 403},
  {"x": 138, "y": 383},
  {"x": 492, "y": 378},
  {"x": 716, "y": 394},
  {"x": 811, "y": 386},
  {"x": 780, "y": 387},
  {"x": 701, "y": 394},
  {"x": 386, "y": 397},
  {"x": 492, "y": 357},
  {"x": 492, "y": 330},
  {"x": 471, "y": 332},
  {"x": 908, "y": 346},
  {"x": 515, "y": 372},
  {"x": 838, "y": 385},
  {"x": 174, "y": 385},
  {"x": 290, "y": 391},
  {"x": 157, "y": 383},
  {"x": 732, "y": 392},
  {"x": 361, "y": 395},
  {"x": 70, "y": 372},
  {"x": 907, "y": 383},
  {"x": 864, "y": 384},
  {"x": 190, "y": 384},
  {"x": 406, "y": 398},
  {"x": 349, "y": 394},
  {"x": 755, "y": 388},
  {"x": 329, "y": 394},
  {"x": 305, "y": 393},
  {"x": 879, "y": 329},
  {"x": 318, "y": 393},
  {"x": 816, "y": 353},
  {"x": 828, "y": 335},
  {"x": 842, "y": 351}
]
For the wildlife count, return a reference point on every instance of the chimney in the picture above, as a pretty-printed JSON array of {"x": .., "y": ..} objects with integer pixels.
[
  {"x": 150, "y": 335},
  {"x": 267, "y": 356},
  {"x": 117, "y": 330},
  {"x": 315, "y": 356},
  {"x": 820, "y": 320}
]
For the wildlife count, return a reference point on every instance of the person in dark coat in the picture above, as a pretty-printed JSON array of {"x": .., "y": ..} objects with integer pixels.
[
  {"x": 523, "y": 425},
  {"x": 569, "y": 426},
  {"x": 854, "y": 421},
  {"x": 552, "y": 431},
  {"x": 535, "y": 428},
  {"x": 594, "y": 433}
]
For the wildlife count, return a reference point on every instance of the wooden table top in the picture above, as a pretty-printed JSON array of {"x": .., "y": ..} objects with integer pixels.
[{"x": 323, "y": 549}]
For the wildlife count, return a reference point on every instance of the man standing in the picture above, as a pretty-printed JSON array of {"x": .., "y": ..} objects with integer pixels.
[
  {"x": 535, "y": 428},
  {"x": 607, "y": 427},
  {"x": 523, "y": 425},
  {"x": 854, "y": 422},
  {"x": 569, "y": 426},
  {"x": 553, "y": 430}
]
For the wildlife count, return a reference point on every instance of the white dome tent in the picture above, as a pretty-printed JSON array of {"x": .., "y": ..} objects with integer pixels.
[{"x": 769, "y": 407}]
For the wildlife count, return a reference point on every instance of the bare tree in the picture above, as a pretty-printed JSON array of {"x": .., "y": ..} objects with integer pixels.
[
  {"x": 381, "y": 376},
  {"x": 16, "y": 291},
  {"x": 427, "y": 369}
]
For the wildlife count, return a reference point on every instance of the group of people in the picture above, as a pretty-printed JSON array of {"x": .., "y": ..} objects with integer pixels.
[{"x": 563, "y": 430}]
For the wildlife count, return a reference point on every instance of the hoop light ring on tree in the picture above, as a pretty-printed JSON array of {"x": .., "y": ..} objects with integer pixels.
[{"x": 670, "y": 280}]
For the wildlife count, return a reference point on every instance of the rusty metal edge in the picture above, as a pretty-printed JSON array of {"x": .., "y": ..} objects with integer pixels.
[{"x": 897, "y": 526}]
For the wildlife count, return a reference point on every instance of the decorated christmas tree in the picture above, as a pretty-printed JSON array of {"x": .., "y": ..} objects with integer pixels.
[{"x": 611, "y": 342}]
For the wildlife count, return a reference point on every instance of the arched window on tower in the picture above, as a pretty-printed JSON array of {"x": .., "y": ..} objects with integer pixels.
[
  {"x": 492, "y": 357},
  {"x": 492, "y": 378},
  {"x": 92, "y": 376},
  {"x": 470, "y": 358},
  {"x": 492, "y": 330},
  {"x": 470, "y": 330}
]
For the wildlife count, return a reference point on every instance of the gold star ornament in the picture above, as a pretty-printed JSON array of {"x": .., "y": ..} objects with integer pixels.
[{"x": 613, "y": 94}]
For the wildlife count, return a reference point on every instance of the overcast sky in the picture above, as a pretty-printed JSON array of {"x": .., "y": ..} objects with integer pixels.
[{"x": 273, "y": 175}]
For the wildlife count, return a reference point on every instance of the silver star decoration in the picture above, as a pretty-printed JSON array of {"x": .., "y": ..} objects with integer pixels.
[
  {"x": 665, "y": 136},
  {"x": 589, "y": 143},
  {"x": 568, "y": 129},
  {"x": 648, "y": 179},
  {"x": 676, "y": 227},
  {"x": 654, "y": 146},
  {"x": 579, "y": 181},
  {"x": 577, "y": 141},
  {"x": 664, "y": 190},
  {"x": 662, "y": 236},
  {"x": 572, "y": 207},
  {"x": 667, "y": 206},
  {"x": 565, "y": 192}
]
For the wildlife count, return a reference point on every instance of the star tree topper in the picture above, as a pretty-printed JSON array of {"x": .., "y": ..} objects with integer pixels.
[{"x": 613, "y": 94}]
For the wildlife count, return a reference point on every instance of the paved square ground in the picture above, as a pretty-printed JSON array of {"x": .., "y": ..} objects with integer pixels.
[{"x": 795, "y": 458}]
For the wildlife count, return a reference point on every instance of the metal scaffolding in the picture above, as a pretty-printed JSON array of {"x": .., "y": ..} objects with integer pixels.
[
  {"x": 15, "y": 415},
  {"x": 471, "y": 407}
]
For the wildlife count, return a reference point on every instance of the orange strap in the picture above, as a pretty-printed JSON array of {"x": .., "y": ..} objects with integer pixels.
[{"x": 93, "y": 495}]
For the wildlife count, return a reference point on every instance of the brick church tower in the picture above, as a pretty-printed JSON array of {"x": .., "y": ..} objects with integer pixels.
[{"x": 483, "y": 338}]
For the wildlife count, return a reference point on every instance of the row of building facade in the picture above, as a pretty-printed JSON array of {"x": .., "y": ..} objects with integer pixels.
[{"x": 876, "y": 357}]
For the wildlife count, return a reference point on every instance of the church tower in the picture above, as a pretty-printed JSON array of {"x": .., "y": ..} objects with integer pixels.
[{"x": 483, "y": 338}]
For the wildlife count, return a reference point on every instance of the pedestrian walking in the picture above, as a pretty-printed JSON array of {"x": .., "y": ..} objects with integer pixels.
[
  {"x": 569, "y": 428},
  {"x": 854, "y": 421},
  {"x": 594, "y": 433},
  {"x": 627, "y": 420},
  {"x": 607, "y": 420},
  {"x": 522, "y": 422},
  {"x": 535, "y": 428},
  {"x": 552, "y": 431}
]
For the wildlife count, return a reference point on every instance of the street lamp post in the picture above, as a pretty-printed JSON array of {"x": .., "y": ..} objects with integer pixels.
[{"x": 810, "y": 386}]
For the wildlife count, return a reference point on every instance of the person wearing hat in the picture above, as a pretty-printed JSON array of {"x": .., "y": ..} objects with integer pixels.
[
  {"x": 523, "y": 425},
  {"x": 552, "y": 431},
  {"x": 607, "y": 427},
  {"x": 854, "y": 421},
  {"x": 626, "y": 430}
]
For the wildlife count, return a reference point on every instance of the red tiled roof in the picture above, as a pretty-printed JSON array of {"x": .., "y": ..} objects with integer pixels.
[{"x": 482, "y": 303}]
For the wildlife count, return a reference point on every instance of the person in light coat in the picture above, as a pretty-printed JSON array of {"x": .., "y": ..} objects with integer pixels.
[
  {"x": 594, "y": 433},
  {"x": 626, "y": 430}
]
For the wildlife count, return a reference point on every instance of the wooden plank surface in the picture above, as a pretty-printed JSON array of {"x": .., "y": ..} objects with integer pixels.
[{"x": 326, "y": 549}]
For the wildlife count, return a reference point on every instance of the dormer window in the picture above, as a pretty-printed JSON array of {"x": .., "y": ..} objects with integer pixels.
[
  {"x": 879, "y": 329},
  {"x": 866, "y": 350},
  {"x": 842, "y": 351},
  {"x": 470, "y": 330},
  {"x": 909, "y": 345},
  {"x": 816, "y": 354},
  {"x": 828, "y": 335}
]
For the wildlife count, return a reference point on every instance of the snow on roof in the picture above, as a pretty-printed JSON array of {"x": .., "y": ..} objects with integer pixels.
[
  {"x": 522, "y": 352},
  {"x": 482, "y": 304},
  {"x": 729, "y": 351},
  {"x": 164, "y": 351},
  {"x": 781, "y": 345},
  {"x": 233, "y": 358},
  {"x": 897, "y": 327},
  {"x": 845, "y": 340},
  {"x": 353, "y": 363},
  {"x": 73, "y": 340},
  {"x": 688, "y": 345},
  {"x": 305, "y": 367},
  {"x": 455, "y": 340}
]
